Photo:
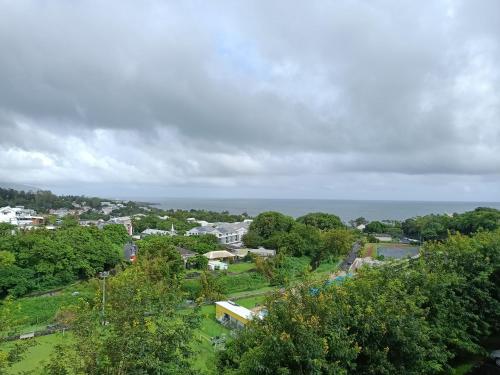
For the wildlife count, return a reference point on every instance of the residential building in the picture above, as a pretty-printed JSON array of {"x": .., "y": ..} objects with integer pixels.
[
  {"x": 89, "y": 223},
  {"x": 159, "y": 232},
  {"x": 219, "y": 255},
  {"x": 232, "y": 315},
  {"x": 226, "y": 233},
  {"x": 186, "y": 254},
  {"x": 61, "y": 212},
  {"x": 200, "y": 231},
  {"x": 214, "y": 265},
  {"x": 20, "y": 216},
  {"x": 262, "y": 252}
]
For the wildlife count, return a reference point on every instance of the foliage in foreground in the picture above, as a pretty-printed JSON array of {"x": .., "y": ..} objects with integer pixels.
[
  {"x": 14, "y": 354},
  {"x": 144, "y": 331},
  {"x": 404, "y": 318}
]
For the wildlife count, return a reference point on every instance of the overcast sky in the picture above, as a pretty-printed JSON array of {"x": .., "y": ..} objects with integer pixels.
[{"x": 384, "y": 99}]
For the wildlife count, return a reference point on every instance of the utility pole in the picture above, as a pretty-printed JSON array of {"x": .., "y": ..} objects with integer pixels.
[{"x": 103, "y": 275}]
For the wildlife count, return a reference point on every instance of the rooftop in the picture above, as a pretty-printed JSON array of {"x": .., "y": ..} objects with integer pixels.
[
  {"x": 219, "y": 254},
  {"x": 236, "y": 309}
]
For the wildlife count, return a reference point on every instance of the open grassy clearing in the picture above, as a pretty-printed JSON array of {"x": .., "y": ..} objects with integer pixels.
[
  {"x": 241, "y": 267},
  {"x": 243, "y": 285},
  {"x": 35, "y": 356},
  {"x": 34, "y": 313}
]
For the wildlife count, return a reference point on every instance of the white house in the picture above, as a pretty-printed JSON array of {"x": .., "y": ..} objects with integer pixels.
[
  {"x": 219, "y": 255},
  {"x": 159, "y": 232},
  {"x": 19, "y": 216},
  {"x": 265, "y": 253},
  {"x": 226, "y": 233},
  {"x": 216, "y": 265},
  {"x": 8, "y": 215},
  {"x": 199, "y": 231}
]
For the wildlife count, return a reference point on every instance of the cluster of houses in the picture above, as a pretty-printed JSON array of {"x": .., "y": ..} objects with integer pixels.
[
  {"x": 226, "y": 233},
  {"x": 20, "y": 217},
  {"x": 126, "y": 221},
  {"x": 106, "y": 209}
]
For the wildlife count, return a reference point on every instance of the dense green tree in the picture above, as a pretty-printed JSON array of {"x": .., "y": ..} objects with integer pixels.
[
  {"x": 437, "y": 227},
  {"x": 199, "y": 244},
  {"x": 144, "y": 333},
  {"x": 309, "y": 234},
  {"x": 6, "y": 229},
  {"x": 375, "y": 227},
  {"x": 321, "y": 220},
  {"x": 116, "y": 233},
  {"x": 281, "y": 269},
  {"x": 334, "y": 243},
  {"x": 291, "y": 244},
  {"x": 358, "y": 221},
  {"x": 47, "y": 259},
  {"x": 211, "y": 287},
  {"x": 269, "y": 223},
  {"x": 252, "y": 240},
  {"x": 198, "y": 262},
  {"x": 7, "y": 258},
  {"x": 408, "y": 317}
]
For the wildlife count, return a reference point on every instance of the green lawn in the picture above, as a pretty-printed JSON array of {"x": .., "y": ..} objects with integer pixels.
[
  {"x": 246, "y": 287},
  {"x": 251, "y": 302},
  {"x": 204, "y": 358},
  {"x": 327, "y": 268},
  {"x": 251, "y": 293},
  {"x": 34, "y": 313},
  {"x": 36, "y": 355}
]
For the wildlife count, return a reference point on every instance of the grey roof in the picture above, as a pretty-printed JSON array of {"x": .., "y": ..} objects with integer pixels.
[
  {"x": 231, "y": 227},
  {"x": 185, "y": 253},
  {"x": 205, "y": 229}
]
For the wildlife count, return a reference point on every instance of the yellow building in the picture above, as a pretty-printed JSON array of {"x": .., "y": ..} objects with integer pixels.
[{"x": 232, "y": 314}]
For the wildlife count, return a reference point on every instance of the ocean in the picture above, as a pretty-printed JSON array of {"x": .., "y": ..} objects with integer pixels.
[{"x": 346, "y": 209}]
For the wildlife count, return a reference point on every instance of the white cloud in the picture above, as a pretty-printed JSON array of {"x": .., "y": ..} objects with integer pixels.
[{"x": 286, "y": 100}]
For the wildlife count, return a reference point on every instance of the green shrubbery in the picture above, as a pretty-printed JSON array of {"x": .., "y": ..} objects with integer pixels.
[
  {"x": 408, "y": 317},
  {"x": 48, "y": 259}
]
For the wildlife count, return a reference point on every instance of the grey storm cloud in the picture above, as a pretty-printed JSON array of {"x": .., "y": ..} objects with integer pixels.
[{"x": 234, "y": 93}]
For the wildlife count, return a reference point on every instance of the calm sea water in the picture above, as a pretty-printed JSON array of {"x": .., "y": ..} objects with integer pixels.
[{"x": 346, "y": 209}]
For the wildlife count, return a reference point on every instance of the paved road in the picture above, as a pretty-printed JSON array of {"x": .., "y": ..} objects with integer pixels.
[{"x": 353, "y": 254}]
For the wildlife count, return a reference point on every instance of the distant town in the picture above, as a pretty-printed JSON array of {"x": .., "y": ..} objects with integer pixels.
[{"x": 233, "y": 271}]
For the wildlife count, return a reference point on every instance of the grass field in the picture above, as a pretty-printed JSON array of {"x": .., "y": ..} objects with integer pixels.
[
  {"x": 243, "y": 285},
  {"x": 39, "y": 353},
  {"x": 241, "y": 267},
  {"x": 33, "y": 313}
]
